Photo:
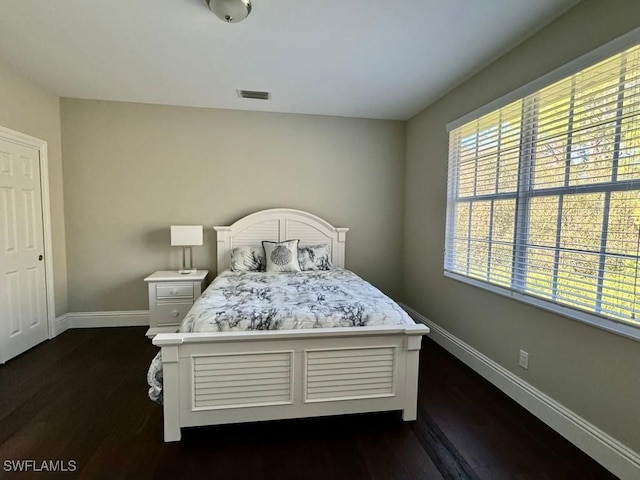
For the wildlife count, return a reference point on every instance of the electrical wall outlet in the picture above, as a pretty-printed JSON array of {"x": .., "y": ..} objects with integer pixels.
[{"x": 523, "y": 360}]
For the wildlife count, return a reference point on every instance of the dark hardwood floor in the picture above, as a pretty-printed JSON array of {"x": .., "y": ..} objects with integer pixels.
[{"x": 82, "y": 397}]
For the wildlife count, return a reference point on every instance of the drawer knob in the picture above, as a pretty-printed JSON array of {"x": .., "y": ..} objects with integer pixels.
[
  {"x": 175, "y": 313},
  {"x": 174, "y": 291}
]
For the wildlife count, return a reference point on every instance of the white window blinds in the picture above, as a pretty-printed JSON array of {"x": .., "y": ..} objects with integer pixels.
[{"x": 544, "y": 193}]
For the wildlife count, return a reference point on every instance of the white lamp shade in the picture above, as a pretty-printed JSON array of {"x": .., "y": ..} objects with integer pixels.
[{"x": 186, "y": 235}]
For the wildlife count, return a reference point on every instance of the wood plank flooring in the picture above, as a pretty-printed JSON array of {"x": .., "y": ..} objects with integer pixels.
[{"x": 82, "y": 397}]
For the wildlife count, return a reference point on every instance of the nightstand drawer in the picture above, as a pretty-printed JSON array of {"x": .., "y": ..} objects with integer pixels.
[
  {"x": 171, "y": 313},
  {"x": 171, "y": 295},
  {"x": 171, "y": 290}
]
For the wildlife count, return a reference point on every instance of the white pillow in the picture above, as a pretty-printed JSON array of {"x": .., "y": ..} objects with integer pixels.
[
  {"x": 314, "y": 257},
  {"x": 281, "y": 256},
  {"x": 248, "y": 259}
]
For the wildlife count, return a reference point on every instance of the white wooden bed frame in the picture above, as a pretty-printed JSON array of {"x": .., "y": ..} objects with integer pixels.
[{"x": 233, "y": 377}]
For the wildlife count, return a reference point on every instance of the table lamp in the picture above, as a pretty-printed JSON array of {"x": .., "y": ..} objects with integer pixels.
[{"x": 186, "y": 236}]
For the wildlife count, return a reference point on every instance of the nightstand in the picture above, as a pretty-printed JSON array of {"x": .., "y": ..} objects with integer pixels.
[{"x": 171, "y": 295}]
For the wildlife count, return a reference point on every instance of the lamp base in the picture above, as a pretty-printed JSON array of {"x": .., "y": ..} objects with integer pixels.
[{"x": 187, "y": 268}]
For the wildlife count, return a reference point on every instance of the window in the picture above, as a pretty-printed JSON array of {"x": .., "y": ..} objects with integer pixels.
[{"x": 544, "y": 196}]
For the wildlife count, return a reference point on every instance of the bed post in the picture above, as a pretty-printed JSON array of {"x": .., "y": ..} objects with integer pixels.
[
  {"x": 412, "y": 341},
  {"x": 171, "y": 393},
  {"x": 223, "y": 240},
  {"x": 339, "y": 257}
]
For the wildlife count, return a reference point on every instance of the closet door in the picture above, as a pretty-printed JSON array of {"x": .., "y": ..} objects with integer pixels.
[{"x": 23, "y": 301}]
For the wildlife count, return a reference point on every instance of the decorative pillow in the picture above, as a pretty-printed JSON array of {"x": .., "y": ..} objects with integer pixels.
[
  {"x": 314, "y": 257},
  {"x": 248, "y": 259},
  {"x": 281, "y": 256}
]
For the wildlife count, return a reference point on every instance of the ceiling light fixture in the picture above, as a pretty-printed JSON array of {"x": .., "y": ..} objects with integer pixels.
[{"x": 231, "y": 11}]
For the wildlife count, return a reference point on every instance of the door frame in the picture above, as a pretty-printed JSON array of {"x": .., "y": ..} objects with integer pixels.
[{"x": 41, "y": 145}]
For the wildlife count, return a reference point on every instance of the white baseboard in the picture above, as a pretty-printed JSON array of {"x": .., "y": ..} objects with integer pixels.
[
  {"x": 60, "y": 325},
  {"x": 133, "y": 318},
  {"x": 609, "y": 452}
]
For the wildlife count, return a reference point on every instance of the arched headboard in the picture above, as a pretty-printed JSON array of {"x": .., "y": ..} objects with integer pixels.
[{"x": 277, "y": 225}]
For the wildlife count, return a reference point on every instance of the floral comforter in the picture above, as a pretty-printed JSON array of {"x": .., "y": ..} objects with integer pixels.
[{"x": 284, "y": 301}]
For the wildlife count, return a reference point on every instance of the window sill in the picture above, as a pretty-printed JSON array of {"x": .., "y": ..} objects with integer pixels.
[{"x": 602, "y": 323}]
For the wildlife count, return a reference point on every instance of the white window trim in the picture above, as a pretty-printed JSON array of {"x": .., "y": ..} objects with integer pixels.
[{"x": 613, "y": 47}]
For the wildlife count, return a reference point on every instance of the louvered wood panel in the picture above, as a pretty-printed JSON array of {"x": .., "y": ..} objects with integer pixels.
[
  {"x": 349, "y": 373},
  {"x": 242, "y": 380},
  {"x": 307, "y": 234},
  {"x": 254, "y": 235}
]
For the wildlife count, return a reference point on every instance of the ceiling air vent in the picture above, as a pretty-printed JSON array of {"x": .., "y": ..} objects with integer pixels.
[{"x": 254, "y": 94}]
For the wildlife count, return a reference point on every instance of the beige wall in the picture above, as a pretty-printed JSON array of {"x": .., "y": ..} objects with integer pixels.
[
  {"x": 27, "y": 108},
  {"x": 592, "y": 372},
  {"x": 132, "y": 170}
]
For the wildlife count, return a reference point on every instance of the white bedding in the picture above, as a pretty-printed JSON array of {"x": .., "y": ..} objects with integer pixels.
[{"x": 285, "y": 301}]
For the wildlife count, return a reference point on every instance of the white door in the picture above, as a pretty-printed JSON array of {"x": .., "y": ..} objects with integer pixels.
[{"x": 23, "y": 302}]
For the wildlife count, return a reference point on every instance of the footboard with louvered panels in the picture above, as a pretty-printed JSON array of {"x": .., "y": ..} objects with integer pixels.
[{"x": 233, "y": 377}]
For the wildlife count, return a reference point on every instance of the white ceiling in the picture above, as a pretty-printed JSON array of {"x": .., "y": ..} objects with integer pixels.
[{"x": 356, "y": 58}]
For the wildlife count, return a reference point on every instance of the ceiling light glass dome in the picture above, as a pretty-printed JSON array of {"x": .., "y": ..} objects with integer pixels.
[{"x": 231, "y": 11}]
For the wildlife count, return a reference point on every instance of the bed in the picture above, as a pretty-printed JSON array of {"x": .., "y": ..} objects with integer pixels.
[{"x": 326, "y": 360}]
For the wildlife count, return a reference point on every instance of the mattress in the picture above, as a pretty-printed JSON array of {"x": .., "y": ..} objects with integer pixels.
[{"x": 285, "y": 301}]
